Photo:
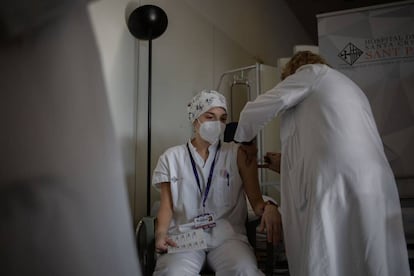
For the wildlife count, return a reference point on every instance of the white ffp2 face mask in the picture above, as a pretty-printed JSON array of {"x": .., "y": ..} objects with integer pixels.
[{"x": 211, "y": 131}]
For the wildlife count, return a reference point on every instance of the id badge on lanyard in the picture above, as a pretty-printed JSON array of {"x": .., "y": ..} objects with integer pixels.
[{"x": 205, "y": 220}]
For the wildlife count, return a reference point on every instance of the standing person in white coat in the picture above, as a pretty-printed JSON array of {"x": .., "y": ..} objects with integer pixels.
[
  {"x": 207, "y": 177},
  {"x": 340, "y": 207},
  {"x": 63, "y": 201}
]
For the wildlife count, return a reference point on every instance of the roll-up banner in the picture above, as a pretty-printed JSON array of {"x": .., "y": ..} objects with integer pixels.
[{"x": 374, "y": 46}]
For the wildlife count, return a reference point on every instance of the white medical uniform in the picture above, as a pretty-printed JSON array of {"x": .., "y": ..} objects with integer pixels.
[
  {"x": 339, "y": 202},
  {"x": 229, "y": 252}
]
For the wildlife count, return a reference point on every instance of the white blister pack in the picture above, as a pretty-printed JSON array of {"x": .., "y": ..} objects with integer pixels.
[{"x": 187, "y": 241}]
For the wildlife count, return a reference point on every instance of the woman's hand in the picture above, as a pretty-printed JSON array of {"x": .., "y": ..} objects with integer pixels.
[
  {"x": 271, "y": 223},
  {"x": 162, "y": 241}
]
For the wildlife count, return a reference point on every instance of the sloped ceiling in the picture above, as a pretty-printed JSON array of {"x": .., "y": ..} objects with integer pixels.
[{"x": 306, "y": 10}]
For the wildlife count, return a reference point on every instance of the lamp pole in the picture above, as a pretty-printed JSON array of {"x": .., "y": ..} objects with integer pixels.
[{"x": 148, "y": 22}]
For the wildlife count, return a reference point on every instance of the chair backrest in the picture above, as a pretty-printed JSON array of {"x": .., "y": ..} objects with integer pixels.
[{"x": 229, "y": 131}]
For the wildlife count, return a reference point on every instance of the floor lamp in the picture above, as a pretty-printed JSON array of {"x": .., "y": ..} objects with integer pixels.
[{"x": 148, "y": 22}]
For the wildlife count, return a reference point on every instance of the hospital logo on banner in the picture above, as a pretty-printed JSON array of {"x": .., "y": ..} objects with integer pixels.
[
  {"x": 392, "y": 48},
  {"x": 350, "y": 53}
]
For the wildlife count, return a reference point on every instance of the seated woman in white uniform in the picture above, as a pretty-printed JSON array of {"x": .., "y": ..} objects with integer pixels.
[{"x": 209, "y": 178}]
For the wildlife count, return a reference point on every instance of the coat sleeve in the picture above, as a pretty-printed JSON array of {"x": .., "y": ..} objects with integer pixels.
[{"x": 288, "y": 93}]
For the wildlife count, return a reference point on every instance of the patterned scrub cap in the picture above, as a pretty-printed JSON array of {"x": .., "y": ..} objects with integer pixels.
[{"x": 204, "y": 101}]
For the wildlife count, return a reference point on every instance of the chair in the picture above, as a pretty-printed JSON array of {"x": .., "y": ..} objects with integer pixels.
[{"x": 145, "y": 242}]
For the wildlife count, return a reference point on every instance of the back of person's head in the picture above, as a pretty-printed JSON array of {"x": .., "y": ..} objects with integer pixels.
[{"x": 299, "y": 59}]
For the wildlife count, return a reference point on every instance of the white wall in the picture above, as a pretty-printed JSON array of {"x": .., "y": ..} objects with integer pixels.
[
  {"x": 202, "y": 41},
  {"x": 267, "y": 29},
  {"x": 119, "y": 62}
]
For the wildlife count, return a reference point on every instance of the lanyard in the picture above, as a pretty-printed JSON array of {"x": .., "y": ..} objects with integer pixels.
[{"x": 210, "y": 175}]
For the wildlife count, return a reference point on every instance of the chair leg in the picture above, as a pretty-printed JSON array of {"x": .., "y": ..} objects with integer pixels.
[
  {"x": 270, "y": 258},
  {"x": 145, "y": 239}
]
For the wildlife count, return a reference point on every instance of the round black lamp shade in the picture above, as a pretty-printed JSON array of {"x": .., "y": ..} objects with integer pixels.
[{"x": 147, "y": 22}]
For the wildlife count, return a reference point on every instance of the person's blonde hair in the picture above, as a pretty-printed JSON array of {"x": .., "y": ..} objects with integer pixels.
[{"x": 299, "y": 59}]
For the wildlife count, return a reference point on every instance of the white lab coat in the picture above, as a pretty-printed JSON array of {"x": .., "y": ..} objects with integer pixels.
[{"x": 339, "y": 202}]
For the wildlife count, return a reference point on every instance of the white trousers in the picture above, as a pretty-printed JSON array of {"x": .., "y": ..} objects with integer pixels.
[{"x": 232, "y": 258}]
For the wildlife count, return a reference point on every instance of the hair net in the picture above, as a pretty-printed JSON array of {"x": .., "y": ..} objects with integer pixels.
[{"x": 204, "y": 101}]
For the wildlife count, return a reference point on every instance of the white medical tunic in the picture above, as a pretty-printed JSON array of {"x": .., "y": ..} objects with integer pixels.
[
  {"x": 226, "y": 198},
  {"x": 339, "y": 202}
]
